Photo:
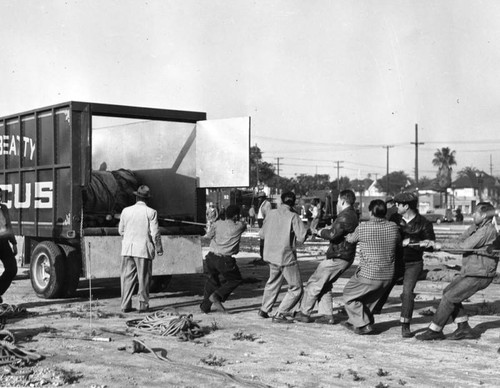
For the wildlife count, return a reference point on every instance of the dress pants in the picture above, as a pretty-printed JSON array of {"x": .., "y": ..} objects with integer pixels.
[
  {"x": 319, "y": 286},
  {"x": 225, "y": 266},
  {"x": 135, "y": 270},
  {"x": 277, "y": 274},
  {"x": 360, "y": 297}
]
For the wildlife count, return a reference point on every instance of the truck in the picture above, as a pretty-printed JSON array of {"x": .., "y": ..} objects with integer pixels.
[{"x": 67, "y": 171}]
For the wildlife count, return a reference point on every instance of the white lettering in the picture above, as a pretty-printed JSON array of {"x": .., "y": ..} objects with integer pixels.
[
  {"x": 14, "y": 145},
  {"x": 26, "y": 140},
  {"x": 5, "y": 144},
  {"x": 17, "y": 194},
  {"x": 6, "y": 189},
  {"x": 12, "y": 149},
  {"x": 32, "y": 144},
  {"x": 43, "y": 195},
  {"x": 42, "y": 198}
]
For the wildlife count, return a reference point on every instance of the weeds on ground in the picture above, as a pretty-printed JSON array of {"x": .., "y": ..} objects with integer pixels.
[
  {"x": 382, "y": 372},
  {"x": 401, "y": 382},
  {"x": 381, "y": 385},
  {"x": 355, "y": 375},
  {"x": 241, "y": 336},
  {"x": 213, "y": 360}
]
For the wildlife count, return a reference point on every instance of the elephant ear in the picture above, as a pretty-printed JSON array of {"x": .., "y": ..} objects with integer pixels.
[{"x": 444, "y": 176}]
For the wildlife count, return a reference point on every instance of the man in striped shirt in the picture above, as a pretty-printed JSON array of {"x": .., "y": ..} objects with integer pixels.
[{"x": 377, "y": 240}]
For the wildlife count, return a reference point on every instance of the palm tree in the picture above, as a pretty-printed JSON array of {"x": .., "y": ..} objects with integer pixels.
[{"x": 443, "y": 160}]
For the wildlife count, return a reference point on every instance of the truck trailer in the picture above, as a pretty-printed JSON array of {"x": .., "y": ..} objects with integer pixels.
[{"x": 67, "y": 171}]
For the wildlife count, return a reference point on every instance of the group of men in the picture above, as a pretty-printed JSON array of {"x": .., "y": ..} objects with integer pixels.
[{"x": 389, "y": 247}]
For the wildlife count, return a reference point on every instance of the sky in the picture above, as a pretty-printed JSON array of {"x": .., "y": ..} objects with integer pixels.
[{"x": 332, "y": 87}]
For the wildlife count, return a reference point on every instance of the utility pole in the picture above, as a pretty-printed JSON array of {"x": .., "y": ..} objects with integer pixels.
[
  {"x": 387, "y": 174},
  {"x": 278, "y": 165},
  {"x": 416, "y": 154},
  {"x": 338, "y": 173},
  {"x": 491, "y": 166}
]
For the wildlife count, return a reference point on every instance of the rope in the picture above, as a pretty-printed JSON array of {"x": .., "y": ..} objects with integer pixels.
[
  {"x": 11, "y": 310},
  {"x": 13, "y": 356},
  {"x": 166, "y": 323},
  {"x": 139, "y": 347}
]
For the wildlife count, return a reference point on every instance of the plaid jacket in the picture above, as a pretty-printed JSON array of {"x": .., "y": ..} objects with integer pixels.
[{"x": 376, "y": 251}]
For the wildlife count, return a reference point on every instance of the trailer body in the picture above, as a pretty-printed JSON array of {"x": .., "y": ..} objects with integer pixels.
[{"x": 49, "y": 156}]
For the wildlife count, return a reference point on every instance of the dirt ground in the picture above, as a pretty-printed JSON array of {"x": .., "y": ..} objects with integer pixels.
[{"x": 240, "y": 349}]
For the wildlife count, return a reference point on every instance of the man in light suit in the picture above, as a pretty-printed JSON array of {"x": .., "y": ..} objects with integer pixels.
[{"x": 141, "y": 239}]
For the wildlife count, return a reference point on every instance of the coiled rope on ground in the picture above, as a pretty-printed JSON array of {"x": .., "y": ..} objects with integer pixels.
[{"x": 166, "y": 323}]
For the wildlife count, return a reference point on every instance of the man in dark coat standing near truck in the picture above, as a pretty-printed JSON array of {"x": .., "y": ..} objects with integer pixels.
[
  {"x": 339, "y": 257},
  {"x": 141, "y": 239}
]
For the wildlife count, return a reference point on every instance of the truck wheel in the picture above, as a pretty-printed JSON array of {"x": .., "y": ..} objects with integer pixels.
[
  {"x": 73, "y": 268},
  {"x": 47, "y": 270},
  {"x": 159, "y": 283}
]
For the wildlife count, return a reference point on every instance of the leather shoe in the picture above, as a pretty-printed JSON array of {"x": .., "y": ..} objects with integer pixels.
[
  {"x": 281, "y": 318},
  {"x": 347, "y": 325},
  {"x": 325, "y": 320},
  {"x": 205, "y": 306},
  {"x": 461, "y": 334},
  {"x": 430, "y": 335},
  {"x": 217, "y": 301},
  {"x": 364, "y": 330},
  {"x": 263, "y": 314},
  {"x": 405, "y": 331},
  {"x": 301, "y": 317}
]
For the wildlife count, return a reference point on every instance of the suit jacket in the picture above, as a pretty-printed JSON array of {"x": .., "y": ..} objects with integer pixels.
[{"x": 140, "y": 231}]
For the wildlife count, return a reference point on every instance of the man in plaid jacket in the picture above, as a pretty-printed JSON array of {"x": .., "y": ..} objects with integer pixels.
[{"x": 377, "y": 240}]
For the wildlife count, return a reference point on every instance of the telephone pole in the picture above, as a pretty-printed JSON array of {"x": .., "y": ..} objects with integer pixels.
[
  {"x": 278, "y": 166},
  {"x": 387, "y": 174},
  {"x": 338, "y": 172},
  {"x": 416, "y": 155}
]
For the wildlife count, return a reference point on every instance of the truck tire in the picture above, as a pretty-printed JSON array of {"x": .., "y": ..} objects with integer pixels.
[
  {"x": 159, "y": 283},
  {"x": 73, "y": 269},
  {"x": 47, "y": 270}
]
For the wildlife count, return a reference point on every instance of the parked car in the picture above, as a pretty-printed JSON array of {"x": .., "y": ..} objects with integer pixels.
[{"x": 439, "y": 215}]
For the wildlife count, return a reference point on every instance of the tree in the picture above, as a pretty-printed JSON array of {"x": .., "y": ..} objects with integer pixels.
[
  {"x": 443, "y": 160},
  {"x": 260, "y": 171},
  {"x": 398, "y": 181}
]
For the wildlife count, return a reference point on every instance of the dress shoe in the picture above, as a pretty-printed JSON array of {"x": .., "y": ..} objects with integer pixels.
[
  {"x": 364, "y": 330},
  {"x": 347, "y": 325},
  {"x": 281, "y": 318},
  {"x": 263, "y": 314},
  {"x": 301, "y": 317},
  {"x": 405, "y": 331},
  {"x": 430, "y": 335},
  {"x": 325, "y": 320},
  {"x": 463, "y": 333},
  {"x": 217, "y": 301},
  {"x": 205, "y": 306}
]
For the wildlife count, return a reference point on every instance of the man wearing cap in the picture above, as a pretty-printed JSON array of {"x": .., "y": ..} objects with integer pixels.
[
  {"x": 141, "y": 239},
  {"x": 225, "y": 238},
  {"x": 416, "y": 232},
  {"x": 8, "y": 250},
  {"x": 264, "y": 209},
  {"x": 392, "y": 211}
]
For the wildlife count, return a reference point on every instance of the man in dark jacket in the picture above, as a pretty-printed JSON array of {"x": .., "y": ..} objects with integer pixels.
[
  {"x": 339, "y": 257},
  {"x": 478, "y": 270},
  {"x": 409, "y": 260}
]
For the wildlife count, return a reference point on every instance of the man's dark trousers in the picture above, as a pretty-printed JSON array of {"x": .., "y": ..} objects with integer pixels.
[{"x": 226, "y": 267}]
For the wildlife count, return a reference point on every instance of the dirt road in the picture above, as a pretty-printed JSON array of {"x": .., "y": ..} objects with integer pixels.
[{"x": 241, "y": 349}]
